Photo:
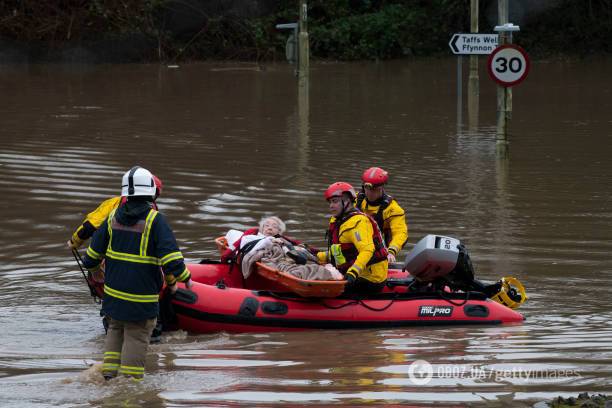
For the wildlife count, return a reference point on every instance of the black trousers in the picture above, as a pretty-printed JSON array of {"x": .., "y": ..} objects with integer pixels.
[{"x": 365, "y": 287}]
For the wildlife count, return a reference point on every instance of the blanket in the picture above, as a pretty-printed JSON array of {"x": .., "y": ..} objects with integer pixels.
[{"x": 272, "y": 254}]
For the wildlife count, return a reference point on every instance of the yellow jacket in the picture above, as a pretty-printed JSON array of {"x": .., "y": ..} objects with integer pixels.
[
  {"x": 357, "y": 230},
  {"x": 93, "y": 220},
  {"x": 394, "y": 228}
]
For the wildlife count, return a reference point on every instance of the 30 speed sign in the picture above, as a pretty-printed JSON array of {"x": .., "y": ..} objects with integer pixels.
[{"x": 508, "y": 64}]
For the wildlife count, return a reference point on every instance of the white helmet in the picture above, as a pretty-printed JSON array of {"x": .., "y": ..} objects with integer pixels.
[{"x": 137, "y": 182}]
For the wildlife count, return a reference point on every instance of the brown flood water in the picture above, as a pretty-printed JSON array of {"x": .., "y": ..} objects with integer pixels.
[{"x": 233, "y": 143}]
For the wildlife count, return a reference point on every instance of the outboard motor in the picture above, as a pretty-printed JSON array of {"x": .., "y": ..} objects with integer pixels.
[
  {"x": 437, "y": 261},
  {"x": 437, "y": 258}
]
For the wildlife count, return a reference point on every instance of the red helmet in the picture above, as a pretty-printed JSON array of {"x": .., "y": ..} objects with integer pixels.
[
  {"x": 374, "y": 176},
  {"x": 158, "y": 185},
  {"x": 339, "y": 187}
]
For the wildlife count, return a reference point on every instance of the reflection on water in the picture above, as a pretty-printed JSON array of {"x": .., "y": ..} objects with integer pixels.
[{"x": 234, "y": 145}]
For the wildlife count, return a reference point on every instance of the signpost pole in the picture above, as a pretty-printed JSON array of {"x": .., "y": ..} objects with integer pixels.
[
  {"x": 473, "y": 81},
  {"x": 508, "y": 89},
  {"x": 502, "y": 11},
  {"x": 304, "y": 57},
  {"x": 459, "y": 92},
  {"x": 472, "y": 44}
]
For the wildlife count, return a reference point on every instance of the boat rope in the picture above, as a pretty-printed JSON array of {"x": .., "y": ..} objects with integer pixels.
[
  {"x": 449, "y": 300},
  {"x": 79, "y": 261},
  {"x": 374, "y": 309},
  {"x": 396, "y": 296},
  {"x": 362, "y": 303},
  {"x": 291, "y": 298},
  {"x": 349, "y": 303}
]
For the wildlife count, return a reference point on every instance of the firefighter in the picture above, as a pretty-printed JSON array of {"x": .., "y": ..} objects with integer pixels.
[
  {"x": 94, "y": 219},
  {"x": 354, "y": 242},
  {"x": 390, "y": 217},
  {"x": 135, "y": 241}
]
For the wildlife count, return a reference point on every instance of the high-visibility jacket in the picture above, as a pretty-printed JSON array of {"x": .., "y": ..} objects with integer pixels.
[
  {"x": 390, "y": 217},
  {"x": 133, "y": 256},
  {"x": 94, "y": 219},
  {"x": 356, "y": 247}
]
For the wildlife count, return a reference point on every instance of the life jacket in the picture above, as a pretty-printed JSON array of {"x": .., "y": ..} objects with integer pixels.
[
  {"x": 385, "y": 201},
  {"x": 349, "y": 251}
]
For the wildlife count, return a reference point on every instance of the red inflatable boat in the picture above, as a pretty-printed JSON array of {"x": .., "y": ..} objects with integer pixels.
[{"x": 221, "y": 300}]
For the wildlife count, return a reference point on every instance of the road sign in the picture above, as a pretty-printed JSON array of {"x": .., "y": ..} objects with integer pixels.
[
  {"x": 467, "y": 44},
  {"x": 508, "y": 65}
]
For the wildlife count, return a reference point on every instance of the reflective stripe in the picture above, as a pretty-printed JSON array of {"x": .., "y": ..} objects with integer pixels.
[
  {"x": 336, "y": 253},
  {"x": 133, "y": 371},
  {"x": 110, "y": 367},
  {"x": 133, "y": 368},
  {"x": 172, "y": 256},
  {"x": 130, "y": 297},
  {"x": 122, "y": 256},
  {"x": 93, "y": 254},
  {"x": 75, "y": 237},
  {"x": 183, "y": 276},
  {"x": 110, "y": 356},
  {"x": 356, "y": 269},
  {"x": 138, "y": 227},
  {"x": 144, "y": 240},
  {"x": 109, "y": 226},
  {"x": 130, "y": 372}
]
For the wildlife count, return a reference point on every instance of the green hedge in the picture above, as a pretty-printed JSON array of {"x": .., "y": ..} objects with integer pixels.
[{"x": 339, "y": 29}]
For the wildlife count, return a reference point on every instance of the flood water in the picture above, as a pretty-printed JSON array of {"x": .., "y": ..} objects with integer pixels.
[{"x": 235, "y": 142}]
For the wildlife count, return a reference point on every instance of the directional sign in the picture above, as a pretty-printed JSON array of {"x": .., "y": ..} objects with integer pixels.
[
  {"x": 508, "y": 65},
  {"x": 466, "y": 44}
]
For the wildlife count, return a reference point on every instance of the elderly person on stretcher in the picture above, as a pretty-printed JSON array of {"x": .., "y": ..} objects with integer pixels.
[{"x": 268, "y": 245}]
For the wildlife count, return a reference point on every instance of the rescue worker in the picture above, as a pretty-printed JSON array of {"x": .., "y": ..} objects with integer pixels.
[
  {"x": 390, "y": 217},
  {"x": 87, "y": 228},
  {"x": 94, "y": 219},
  {"x": 134, "y": 241},
  {"x": 355, "y": 244}
]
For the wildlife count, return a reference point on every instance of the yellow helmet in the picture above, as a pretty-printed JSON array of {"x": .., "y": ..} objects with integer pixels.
[{"x": 511, "y": 294}]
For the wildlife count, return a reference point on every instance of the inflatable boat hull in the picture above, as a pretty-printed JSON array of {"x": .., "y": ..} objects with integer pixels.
[{"x": 220, "y": 300}]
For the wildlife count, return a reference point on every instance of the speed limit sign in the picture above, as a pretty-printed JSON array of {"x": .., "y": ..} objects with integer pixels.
[{"x": 508, "y": 65}]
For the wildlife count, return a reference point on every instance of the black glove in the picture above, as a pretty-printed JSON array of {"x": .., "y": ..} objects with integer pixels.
[
  {"x": 297, "y": 256},
  {"x": 350, "y": 279}
]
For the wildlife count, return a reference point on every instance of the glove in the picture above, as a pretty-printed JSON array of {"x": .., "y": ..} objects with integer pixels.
[
  {"x": 350, "y": 278},
  {"x": 297, "y": 256},
  {"x": 188, "y": 284},
  {"x": 393, "y": 250},
  {"x": 74, "y": 242}
]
